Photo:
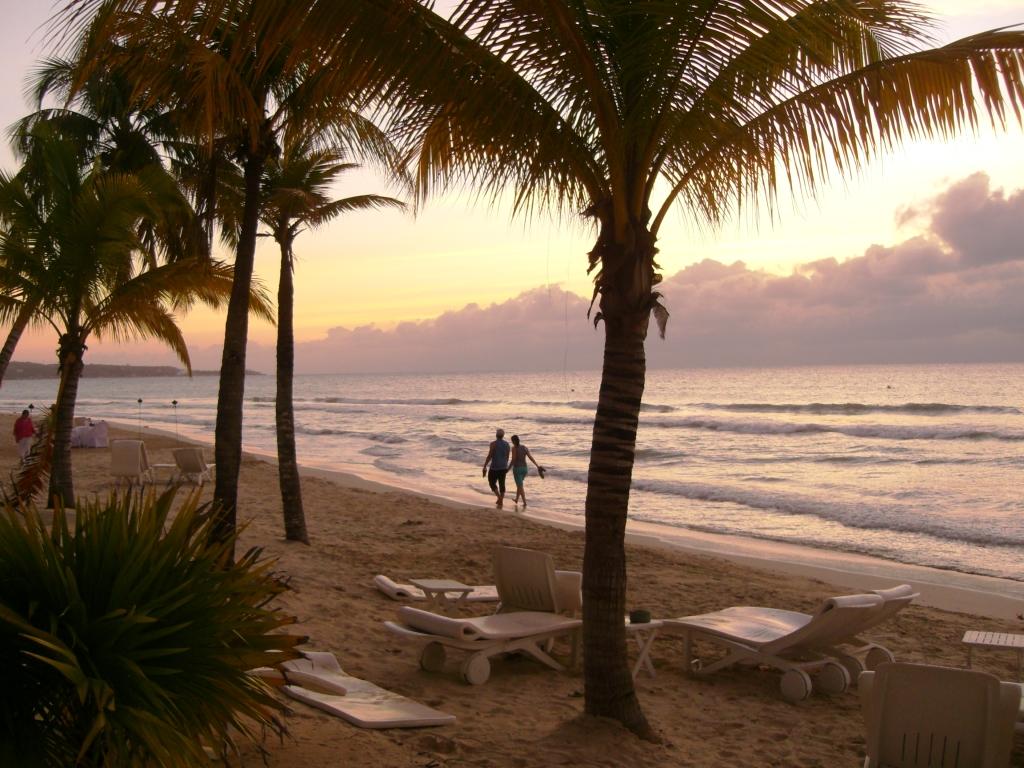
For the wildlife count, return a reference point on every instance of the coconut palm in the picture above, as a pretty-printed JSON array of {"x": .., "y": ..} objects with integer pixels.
[
  {"x": 102, "y": 123},
  {"x": 623, "y": 110},
  {"x": 296, "y": 196},
  {"x": 85, "y": 268},
  {"x": 214, "y": 71}
]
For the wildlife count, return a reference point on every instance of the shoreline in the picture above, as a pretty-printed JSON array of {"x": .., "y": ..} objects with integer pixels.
[{"x": 955, "y": 591}]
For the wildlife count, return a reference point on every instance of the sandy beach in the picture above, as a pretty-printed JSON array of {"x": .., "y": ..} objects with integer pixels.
[{"x": 527, "y": 715}]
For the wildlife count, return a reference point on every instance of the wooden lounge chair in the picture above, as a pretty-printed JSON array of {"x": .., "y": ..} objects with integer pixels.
[
  {"x": 793, "y": 642},
  {"x": 538, "y": 605},
  {"x": 129, "y": 462},
  {"x": 920, "y": 715}
]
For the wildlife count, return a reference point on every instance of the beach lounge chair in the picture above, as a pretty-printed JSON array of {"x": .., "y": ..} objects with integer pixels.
[
  {"x": 128, "y": 461},
  {"x": 318, "y": 680},
  {"x": 793, "y": 642},
  {"x": 484, "y": 637},
  {"x": 486, "y": 593},
  {"x": 191, "y": 466},
  {"x": 919, "y": 715},
  {"x": 538, "y": 605},
  {"x": 526, "y": 580}
]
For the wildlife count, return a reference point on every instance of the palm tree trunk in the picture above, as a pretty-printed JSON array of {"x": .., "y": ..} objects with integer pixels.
[
  {"x": 14, "y": 336},
  {"x": 231, "y": 394},
  {"x": 62, "y": 488},
  {"x": 284, "y": 411},
  {"x": 626, "y": 302}
]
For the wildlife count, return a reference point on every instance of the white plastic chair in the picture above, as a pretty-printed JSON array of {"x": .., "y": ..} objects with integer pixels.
[
  {"x": 191, "y": 465},
  {"x": 526, "y": 580},
  {"x": 793, "y": 642},
  {"x": 920, "y": 716},
  {"x": 128, "y": 461},
  {"x": 538, "y": 605}
]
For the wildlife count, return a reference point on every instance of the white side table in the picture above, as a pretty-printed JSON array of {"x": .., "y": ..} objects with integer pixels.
[
  {"x": 443, "y": 593},
  {"x": 644, "y": 634},
  {"x": 1006, "y": 640}
]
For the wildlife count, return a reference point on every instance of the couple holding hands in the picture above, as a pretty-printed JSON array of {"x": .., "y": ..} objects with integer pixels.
[{"x": 500, "y": 458}]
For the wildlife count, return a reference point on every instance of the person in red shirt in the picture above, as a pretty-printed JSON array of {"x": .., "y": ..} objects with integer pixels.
[{"x": 24, "y": 431}]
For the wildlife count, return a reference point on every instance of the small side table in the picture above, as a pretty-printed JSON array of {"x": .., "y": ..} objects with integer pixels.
[
  {"x": 438, "y": 591},
  {"x": 644, "y": 634},
  {"x": 1006, "y": 640}
]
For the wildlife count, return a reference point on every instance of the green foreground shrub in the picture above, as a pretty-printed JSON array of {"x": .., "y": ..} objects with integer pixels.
[{"x": 125, "y": 636}]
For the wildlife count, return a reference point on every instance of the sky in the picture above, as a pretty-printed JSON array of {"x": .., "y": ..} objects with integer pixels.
[{"x": 916, "y": 259}]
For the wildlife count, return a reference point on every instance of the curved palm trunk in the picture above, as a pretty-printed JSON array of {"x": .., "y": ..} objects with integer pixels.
[
  {"x": 625, "y": 306},
  {"x": 284, "y": 411},
  {"x": 231, "y": 394},
  {"x": 14, "y": 336},
  {"x": 71, "y": 366}
]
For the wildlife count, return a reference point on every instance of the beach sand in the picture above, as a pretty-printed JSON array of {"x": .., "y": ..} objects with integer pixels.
[{"x": 528, "y": 715}]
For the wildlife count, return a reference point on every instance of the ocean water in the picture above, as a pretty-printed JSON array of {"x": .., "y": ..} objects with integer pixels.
[{"x": 914, "y": 464}]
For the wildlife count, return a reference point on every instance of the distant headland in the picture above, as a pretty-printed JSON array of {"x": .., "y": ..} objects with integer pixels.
[{"x": 103, "y": 371}]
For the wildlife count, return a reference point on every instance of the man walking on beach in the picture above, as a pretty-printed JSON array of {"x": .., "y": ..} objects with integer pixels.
[
  {"x": 24, "y": 431},
  {"x": 497, "y": 457}
]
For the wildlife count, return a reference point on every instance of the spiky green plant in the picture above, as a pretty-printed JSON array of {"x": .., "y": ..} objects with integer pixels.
[{"x": 126, "y": 635}]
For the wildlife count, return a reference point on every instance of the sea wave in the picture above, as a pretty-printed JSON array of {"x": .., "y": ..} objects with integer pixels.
[
  {"x": 894, "y": 517},
  {"x": 879, "y": 431},
  {"x": 298, "y": 401},
  {"x": 854, "y": 409}
]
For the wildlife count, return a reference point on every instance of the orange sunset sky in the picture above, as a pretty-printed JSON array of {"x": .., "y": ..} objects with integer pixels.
[{"x": 399, "y": 282}]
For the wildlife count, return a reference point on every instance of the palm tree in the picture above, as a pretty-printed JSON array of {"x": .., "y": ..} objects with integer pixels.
[
  {"x": 296, "y": 196},
  {"x": 622, "y": 110},
  {"x": 86, "y": 271},
  {"x": 216, "y": 74},
  {"x": 103, "y": 124}
]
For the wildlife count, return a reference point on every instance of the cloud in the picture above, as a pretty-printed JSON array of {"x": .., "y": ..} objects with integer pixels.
[{"x": 949, "y": 294}]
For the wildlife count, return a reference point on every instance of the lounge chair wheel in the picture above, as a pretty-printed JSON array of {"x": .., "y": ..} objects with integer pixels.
[
  {"x": 833, "y": 678},
  {"x": 795, "y": 685},
  {"x": 854, "y": 667},
  {"x": 432, "y": 657},
  {"x": 878, "y": 655},
  {"x": 476, "y": 669}
]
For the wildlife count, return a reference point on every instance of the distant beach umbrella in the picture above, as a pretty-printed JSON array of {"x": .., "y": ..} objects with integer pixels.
[
  {"x": 174, "y": 403},
  {"x": 140, "y": 418}
]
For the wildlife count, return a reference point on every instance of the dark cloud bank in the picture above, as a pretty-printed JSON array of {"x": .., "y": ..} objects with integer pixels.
[{"x": 953, "y": 294}]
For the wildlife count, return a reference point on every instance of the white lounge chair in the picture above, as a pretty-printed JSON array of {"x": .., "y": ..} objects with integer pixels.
[
  {"x": 128, "y": 461},
  {"x": 319, "y": 681},
  {"x": 793, "y": 642},
  {"x": 919, "y": 715},
  {"x": 526, "y": 580},
  {"x": 484, "y": 637},
  {"x": 538, "y": 605},
  {"x": 191, "y": 466},
  {"x": 486, "y": 593}
]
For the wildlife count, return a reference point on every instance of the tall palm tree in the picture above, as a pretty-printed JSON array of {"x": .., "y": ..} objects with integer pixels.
[
  {"x": 621, "y": 110},
  {"x": 296, "y": 196},
  {"x": 213, "y": 69},
  {"x": 85, "y": 269}
]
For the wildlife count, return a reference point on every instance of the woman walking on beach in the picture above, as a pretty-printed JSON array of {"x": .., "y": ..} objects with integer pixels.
[{"x": 520, "y": 453}]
